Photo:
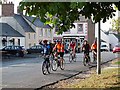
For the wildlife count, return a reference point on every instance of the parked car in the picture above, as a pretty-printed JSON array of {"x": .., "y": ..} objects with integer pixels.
[
  {"x": 116, "y": 49},
  {"x": 35, "y": 49},
  {"x": 14, "y": 50},
  {"x": 104, "y": 48}
]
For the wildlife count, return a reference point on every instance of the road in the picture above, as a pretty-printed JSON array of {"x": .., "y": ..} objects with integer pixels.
[{"x": 26, "y": 72}]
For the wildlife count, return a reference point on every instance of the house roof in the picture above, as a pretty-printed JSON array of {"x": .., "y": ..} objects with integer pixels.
[
  {"x": 118, "y": 36},
  {"x": 23, "y": 23},
  {"x": 37, "y": 22},
  {"x": 9, "y": 31}
]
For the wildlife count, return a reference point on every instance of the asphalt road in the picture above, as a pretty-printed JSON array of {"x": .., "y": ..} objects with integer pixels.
[{"x": 26, "y": 72}]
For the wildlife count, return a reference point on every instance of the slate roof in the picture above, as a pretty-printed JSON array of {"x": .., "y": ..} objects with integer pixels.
[
  {"x": 118, "y": 36},
  {"x": 37, "y": 22},
  {"x": 23, "y": 23},
  {"x": 7, "y": 29}
]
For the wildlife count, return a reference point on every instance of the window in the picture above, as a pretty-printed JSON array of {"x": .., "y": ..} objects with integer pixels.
[
  {"x": 29, "y": 35},
  {"x": 4, "y": 42},
  {"x": 45, "y": 32},
  {"x": 80, "y": 27},
  {"x": 34, "y": 36},
  {"x": 29, "y": 44},
  {"x": 56, "y": 29},
  {"x": 41, "y": 32},
  {"x": 49, "y": 33}
]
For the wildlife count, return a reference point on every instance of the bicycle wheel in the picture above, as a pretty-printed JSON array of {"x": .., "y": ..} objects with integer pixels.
[
  {"x": 62, "y": 64},
  {"x": 44, "y": 68},
  {"x": 48, "y": 67},
  {"x": 54, "y": 65},
  {"x": 84, "y": 61},
  {"x": 70, "y": 58},
  {"x": 74, "y": 58}
]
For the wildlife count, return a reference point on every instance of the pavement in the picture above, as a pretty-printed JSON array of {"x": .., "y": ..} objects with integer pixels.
[{"x": 26, "y": 72}]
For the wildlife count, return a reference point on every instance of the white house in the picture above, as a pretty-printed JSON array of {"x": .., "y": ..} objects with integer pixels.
[
  {"x": 32, "y": 32},
  {"x": 84, "y": 29},
  {"x": 42, "y": 31},
  {"x": 9, "y": 36},
  {"x": 107, "y": 38}
]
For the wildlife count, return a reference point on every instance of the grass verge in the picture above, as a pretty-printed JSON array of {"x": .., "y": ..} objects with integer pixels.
[{"x": 108, "y": 79}]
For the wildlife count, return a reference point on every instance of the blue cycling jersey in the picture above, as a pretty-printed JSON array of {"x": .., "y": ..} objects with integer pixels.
[{"x": 46, "y": 49}]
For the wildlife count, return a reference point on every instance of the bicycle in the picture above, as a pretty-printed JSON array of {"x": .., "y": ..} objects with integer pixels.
[
  {"x": 94, "y": 57},
  {"x": 46, "y": 66},
  {"x": 86, "y": 60},
  {"x": 72, "y": 57},
  {"x": 57, "y": 62}
]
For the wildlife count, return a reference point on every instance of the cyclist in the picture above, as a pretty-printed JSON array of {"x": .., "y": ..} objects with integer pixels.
[
  {"x": 86, "y": 48},
  {"x": 46, "y": 49},
  {"x": 72, "y": 46},
  {"x": 94, "y": 49},
  {"x": 59, "y": 48}
]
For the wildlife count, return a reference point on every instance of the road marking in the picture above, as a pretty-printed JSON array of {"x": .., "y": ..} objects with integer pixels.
[{"x": 18, "y": 65}]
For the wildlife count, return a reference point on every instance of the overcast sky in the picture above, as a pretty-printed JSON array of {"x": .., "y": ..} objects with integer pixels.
[{"x": 104, "y": 26}]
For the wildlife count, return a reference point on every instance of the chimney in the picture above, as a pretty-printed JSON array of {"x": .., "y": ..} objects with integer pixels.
[{"x": 7, "y": 9}]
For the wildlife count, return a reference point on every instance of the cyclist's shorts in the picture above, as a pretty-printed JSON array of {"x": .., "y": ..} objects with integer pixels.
[{"x": 61, "y": 54}]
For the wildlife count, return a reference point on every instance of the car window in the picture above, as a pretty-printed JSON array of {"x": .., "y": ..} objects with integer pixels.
[
  {"x": 39, "y": 47},
  {"x": 117, "y": 46},
  {"x": 16, "y": 48},
  {"x": 104, "y": 46},
  {"x": 33, "y": 47},
  {"x": 12, "y": 47},
  {"x": 7, "y": 48}
]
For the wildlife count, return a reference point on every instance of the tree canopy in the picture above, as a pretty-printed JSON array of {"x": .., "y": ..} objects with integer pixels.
[
  {"x": 63, "y": 14},
  {"x": 116, "y": 25}
]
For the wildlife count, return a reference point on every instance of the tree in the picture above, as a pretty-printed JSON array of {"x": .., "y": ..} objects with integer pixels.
[
  {"x": 63, "y": 14},
  {"x": 116, "y": 25}
]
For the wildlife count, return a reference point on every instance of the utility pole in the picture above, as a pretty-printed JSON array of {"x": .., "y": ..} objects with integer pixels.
[{"x": 98, "y": 50}]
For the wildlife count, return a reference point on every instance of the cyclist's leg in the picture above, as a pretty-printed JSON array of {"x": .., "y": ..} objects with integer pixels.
[
  {"x": 58, "y": 54},
  {"x": 61, "y": 56},
  {"x": 74, "y": 52}
]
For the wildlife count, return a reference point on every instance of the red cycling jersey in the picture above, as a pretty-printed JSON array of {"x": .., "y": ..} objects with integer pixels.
[{"x": 72, "y": 45}]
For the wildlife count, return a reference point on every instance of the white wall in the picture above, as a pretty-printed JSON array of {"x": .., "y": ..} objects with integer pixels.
[
  {"x": 0, "y": 42},
  {"x": 74, "y": 31},
  {"x": 104, "y": 36},
  {"x": 113, "y": 40},
  {"x": 0, "y": 10},
  {"x": 22, "y": 41}
]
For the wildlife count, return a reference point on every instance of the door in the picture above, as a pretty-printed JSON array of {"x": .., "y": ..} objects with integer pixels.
[{"x": 19, "y": 42}]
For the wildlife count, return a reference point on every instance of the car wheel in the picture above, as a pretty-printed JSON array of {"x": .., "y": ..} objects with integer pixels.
[
  {"x": 29, "y": 52},
  {"x": 17, "y": 54},
  {"x": 21, "y": 55}
]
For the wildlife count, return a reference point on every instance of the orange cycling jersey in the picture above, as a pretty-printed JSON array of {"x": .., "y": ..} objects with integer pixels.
[
  {"x": 62, "y": 48},
  {"x": 59, "y": 47},
  {"x": 94, "y": 46}
]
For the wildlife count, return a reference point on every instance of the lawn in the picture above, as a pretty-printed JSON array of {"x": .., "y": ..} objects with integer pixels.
[{"x": 108, "y": 79}]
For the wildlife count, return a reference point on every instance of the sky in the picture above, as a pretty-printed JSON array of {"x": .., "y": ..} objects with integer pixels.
[{"x": 104, "y": 26}]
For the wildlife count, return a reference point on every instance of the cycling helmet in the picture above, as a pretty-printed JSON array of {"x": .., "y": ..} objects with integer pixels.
[
  {"x": 85, "y": 40},
  {"x": 45, "y": 41}
]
